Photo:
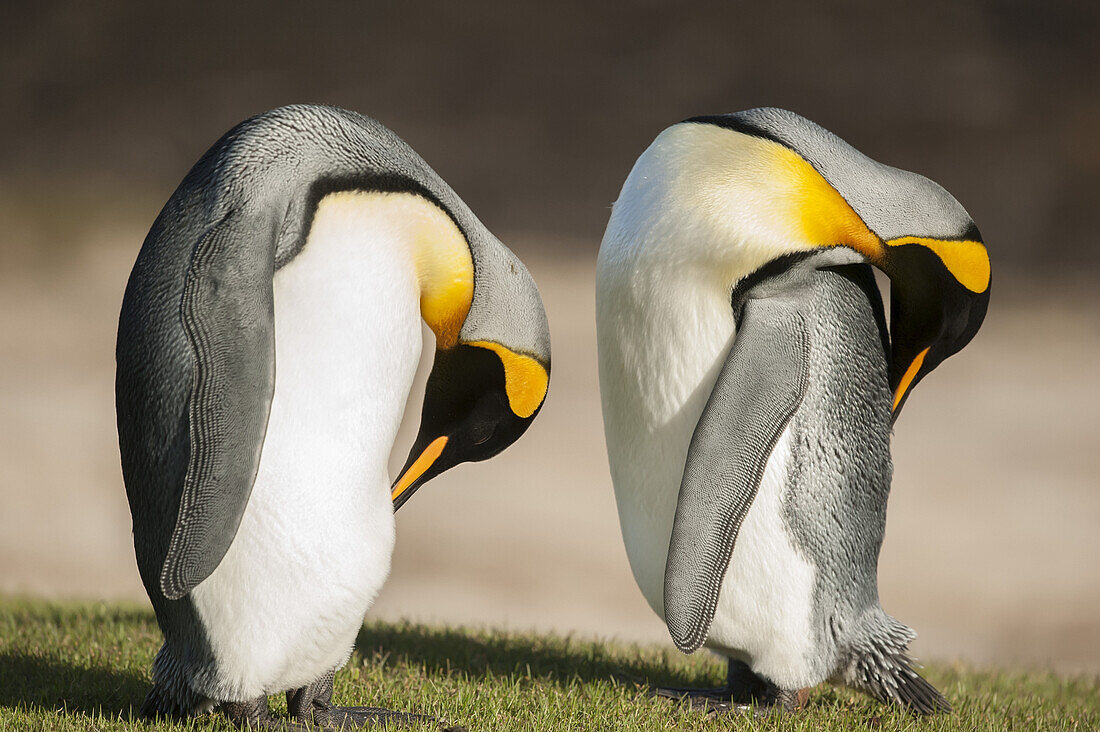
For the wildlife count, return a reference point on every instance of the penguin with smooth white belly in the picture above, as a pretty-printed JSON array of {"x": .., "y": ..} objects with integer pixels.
[
  {"x": 268, "y": 340},
  {"x": 749, "y": 383}
]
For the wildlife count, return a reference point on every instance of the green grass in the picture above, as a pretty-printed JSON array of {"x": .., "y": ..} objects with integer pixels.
[{"x": 85, "y": 666}]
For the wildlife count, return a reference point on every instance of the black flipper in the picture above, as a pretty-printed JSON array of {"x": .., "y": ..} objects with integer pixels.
[
  {"x": 228, "y": 314},
  {"x": 757, "y": 392}
]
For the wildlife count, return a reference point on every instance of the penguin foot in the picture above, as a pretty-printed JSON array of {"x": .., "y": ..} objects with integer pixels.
[
  {"x": 252, "y": 714},
  {"x": 312, "y": 705},
  {"x": 719, "y": 700},
  {"x": 744, "y": 692}
]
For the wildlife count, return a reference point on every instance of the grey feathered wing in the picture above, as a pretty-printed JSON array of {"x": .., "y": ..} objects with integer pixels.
[
  {"x": 228, "y": 315},
  {"x": 761, "y": 385}
]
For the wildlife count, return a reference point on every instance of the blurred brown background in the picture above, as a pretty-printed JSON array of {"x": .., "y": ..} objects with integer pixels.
[{"x": 534, "y": 114}]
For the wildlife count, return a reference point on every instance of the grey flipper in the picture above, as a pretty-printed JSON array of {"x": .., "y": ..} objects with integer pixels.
[
  {"x": 194, "y": 386},
  {"x": 757, "y": 392},
  {"x": 228, "y": 313}
]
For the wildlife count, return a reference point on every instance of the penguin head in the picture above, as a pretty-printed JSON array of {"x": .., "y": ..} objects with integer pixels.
[
  {"x": 490, "y": 375},
  {"x": 754, "y": 186}
]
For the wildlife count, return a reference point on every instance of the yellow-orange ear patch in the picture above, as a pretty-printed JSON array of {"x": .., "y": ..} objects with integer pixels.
[
  {"x": 967, "y": 261},
  {"x": 525, "y": 379},
  {"x": 440, "y": 254},
  {"x": 445, "y": 271},
  {"x": 826, "y": 219}
]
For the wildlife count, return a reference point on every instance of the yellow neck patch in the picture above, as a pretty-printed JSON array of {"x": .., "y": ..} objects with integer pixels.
[
  {"x": 823, "y": 216},
  {"x": 826, "y": 219},
  {"x": 525, "y": 380},
  {"x": 967, "y": 261},
  {"x": 440, "y": 253},
  {"x": 445, "y": 270}
]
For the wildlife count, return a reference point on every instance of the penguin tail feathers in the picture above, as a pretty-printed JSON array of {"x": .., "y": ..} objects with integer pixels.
[
  {"x": 879, "y": 664},
  {"x": 171, "y": 697},
  {"x": 160, "y": 702}
]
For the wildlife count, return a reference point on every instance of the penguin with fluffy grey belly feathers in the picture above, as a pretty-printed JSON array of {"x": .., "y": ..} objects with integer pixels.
[
  {"x": 749, "y": 383},
  {"x": 267, "y": 344}
]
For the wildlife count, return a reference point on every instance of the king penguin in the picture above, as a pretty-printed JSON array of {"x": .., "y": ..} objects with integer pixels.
[
  {"x": 268, "y": 339},
  {"x": 749, "y": 383}
]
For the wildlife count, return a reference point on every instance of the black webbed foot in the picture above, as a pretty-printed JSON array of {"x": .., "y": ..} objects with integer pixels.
[
  {"x": 744, "y": 691},
  {"x": 313, "y": 708},
  {"x": 251, "y": 714}
]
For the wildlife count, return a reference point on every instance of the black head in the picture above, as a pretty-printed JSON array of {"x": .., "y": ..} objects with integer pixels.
[
  {"x": 933, "y": 313},
  {"x": 467, "y": 416}
]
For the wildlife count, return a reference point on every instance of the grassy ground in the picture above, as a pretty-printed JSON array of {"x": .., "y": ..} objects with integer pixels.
[{"x": 85, "y": 666}]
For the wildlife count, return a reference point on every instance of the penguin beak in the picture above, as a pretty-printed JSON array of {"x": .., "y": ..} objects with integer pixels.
[
  {"x": 939, "y": 294},
  {"x": 415, "y": 473},
  {"x": 480, "y": 397}
]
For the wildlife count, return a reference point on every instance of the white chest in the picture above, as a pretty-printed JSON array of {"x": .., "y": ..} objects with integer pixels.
[
  {"x": 662, "y": 344},
  {"x": 765, "y": 600},
  {"x": 315, "y": 541}
]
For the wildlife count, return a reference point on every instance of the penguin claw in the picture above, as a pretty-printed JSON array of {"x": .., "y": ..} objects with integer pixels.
[{"x": 312, "y": 706}]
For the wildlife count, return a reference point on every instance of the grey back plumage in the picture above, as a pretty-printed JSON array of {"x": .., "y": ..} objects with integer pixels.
[
  {"x": 840, "y": 468},
  {"x": 810, "y": 356},
  {"x": 838, "y": 483},
  {"x": 781, "y": 360}
]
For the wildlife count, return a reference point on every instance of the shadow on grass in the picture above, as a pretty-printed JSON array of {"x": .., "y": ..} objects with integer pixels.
[
  {"x": 479, "y": 654},
  {"x": 48, "y": 681},
  {"x": 29, "y": 682}
]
